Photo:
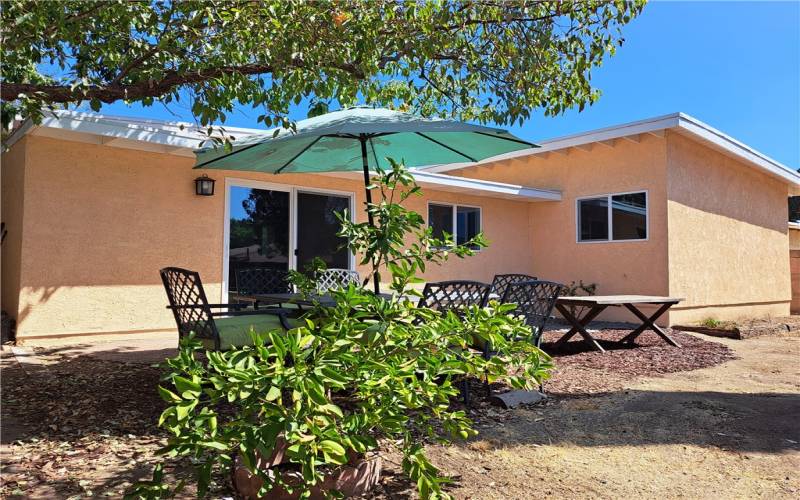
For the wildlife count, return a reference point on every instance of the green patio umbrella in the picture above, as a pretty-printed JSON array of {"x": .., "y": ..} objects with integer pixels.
[{"x": 360, "y": 139}]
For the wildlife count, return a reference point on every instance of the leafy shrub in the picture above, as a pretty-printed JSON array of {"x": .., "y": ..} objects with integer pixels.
[
  {"x": 368, "y": 369},
  {"x": 711, "y": 322}
]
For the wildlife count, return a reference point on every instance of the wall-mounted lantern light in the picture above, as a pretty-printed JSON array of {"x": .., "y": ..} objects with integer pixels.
[{"x": 204, "y": 186}]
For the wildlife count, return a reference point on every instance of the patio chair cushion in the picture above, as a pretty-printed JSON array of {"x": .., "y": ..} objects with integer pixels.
[{"x": 235, "y": 331}]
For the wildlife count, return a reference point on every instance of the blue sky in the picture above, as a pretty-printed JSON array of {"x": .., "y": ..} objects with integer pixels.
[{"x": 733, "y": 65}]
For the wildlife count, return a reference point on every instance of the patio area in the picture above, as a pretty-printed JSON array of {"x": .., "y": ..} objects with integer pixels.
[{"x": 81, "y": 419}]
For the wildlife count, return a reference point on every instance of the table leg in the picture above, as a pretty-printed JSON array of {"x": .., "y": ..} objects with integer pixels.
[
  {"x": 579, "y": 326},
  {"x": 648, "y": 322}
]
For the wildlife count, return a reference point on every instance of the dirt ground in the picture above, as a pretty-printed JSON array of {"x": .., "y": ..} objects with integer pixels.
[{"x": 729, "y": 430}]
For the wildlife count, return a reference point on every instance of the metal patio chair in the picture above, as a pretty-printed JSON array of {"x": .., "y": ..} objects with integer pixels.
[
  {"x": 501, "y": 281},
  {"x": 336, "y": 278},
  {"x": 259, "y": 280},
  {"x": 535, "y": 301},
  {"x": 453, "y": 296},
  {"x": 217, "y": 330}
]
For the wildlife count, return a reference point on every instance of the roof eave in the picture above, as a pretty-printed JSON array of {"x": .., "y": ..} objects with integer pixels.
[{"x": 680, "y": 122}]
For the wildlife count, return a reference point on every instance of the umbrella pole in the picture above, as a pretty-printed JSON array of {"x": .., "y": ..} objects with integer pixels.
[{"x": 363, "y": 140}]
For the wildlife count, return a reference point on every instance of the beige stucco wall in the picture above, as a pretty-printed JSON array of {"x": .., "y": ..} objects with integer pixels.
[
  {"x": 794, "y": 239},
  {"x": 12, "y": 179},
  {"x": 728, "y": 236},
  {"x": 638, "y": 267},
  {"x": 106, "y": 219},
  {"x": 100, "y": 221}
]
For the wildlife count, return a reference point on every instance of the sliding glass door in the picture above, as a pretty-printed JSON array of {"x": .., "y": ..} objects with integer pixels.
[
  {"x": 317, "y": 226},
  {"x": 282, "y": 228},
  {"x": 258, "y": 230}
]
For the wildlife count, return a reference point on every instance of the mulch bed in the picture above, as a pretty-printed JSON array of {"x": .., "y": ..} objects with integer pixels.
[
  {"x": 582, "y": 371},
  {"x": 87, "y": 427}
]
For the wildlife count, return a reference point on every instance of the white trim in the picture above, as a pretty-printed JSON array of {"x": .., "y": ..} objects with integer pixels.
[
  {"x": 169, "y": 138},
  {"x": 472, "y": 185},
  {"x": 681, "y": 122},
  {"x": 466, "y": 185},
  {"x": 794, "y": 225},
  {"x": 454, "y": 210},
  {"x": 292, "y": 190},
  {"x": 180, "y": 138},
  {"x": 610, "y": 217}
]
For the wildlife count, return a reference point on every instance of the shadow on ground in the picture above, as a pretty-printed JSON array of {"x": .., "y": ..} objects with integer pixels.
[
  {"x": 86, "y": 416},
  {"x": 760, "y": 422}
]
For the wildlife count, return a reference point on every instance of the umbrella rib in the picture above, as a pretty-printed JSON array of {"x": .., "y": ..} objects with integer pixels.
[
  {"x": 293, "y": 158},
  {"x": 374, "y": 154},
  {"x": 228, "y": 155},
  {"x": 520, "y": 141},
  {"x": 446, "y": 147}
]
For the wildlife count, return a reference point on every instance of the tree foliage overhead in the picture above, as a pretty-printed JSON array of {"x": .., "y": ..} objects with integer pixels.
[{"x": 493, "y": 60}]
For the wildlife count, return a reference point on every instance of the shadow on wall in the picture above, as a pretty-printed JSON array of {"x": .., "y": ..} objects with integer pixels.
[{"x": 43, "y": 294}]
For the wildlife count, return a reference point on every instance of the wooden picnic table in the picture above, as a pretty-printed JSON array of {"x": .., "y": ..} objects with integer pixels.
[{"x": 596, "y": 304}]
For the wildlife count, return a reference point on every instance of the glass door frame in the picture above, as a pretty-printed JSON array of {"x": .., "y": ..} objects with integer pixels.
[{"x": 292, "y": 189}]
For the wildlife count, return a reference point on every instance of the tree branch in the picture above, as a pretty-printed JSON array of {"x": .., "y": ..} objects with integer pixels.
[{"x": 10, "y": 91}]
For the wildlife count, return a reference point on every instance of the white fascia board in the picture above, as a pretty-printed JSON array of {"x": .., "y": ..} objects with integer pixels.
[
  {"x": 794, "y": 225},
  {"x": 679, "y": 121},
  {"x": 18, "y": 133},
  {"x": 467, "y": 185},
  {"x": 608, "y": 133},
  {"x": 575, "y": 140},
  {"x": 480, "y": 186},
  {"x": 133, "y": 129},
  {"x": 738, "y": 149}
]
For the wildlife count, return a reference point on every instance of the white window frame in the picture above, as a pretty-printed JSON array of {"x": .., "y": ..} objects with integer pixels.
[
  {"x": 608, "y": 197},
  {"x": 293, "y": 190},
  {"x": 454, "y": 209}
]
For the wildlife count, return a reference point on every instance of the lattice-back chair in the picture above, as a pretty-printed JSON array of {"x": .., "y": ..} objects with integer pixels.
[
  {"x": 257, "y": 280},
  {"x": 501, "y": 281},
  {"x": 217, "y": 330},
  {"x": 535, "y": 301},
  {"x": 336, "y": 278},
  {"x": 454, "y": 295}
]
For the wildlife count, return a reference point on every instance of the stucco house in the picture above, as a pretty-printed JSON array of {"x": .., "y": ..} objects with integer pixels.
[{"x": 94, "y": 205}]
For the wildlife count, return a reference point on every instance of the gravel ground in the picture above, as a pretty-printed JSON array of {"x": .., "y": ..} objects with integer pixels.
[{"x": 81, "y": 426}]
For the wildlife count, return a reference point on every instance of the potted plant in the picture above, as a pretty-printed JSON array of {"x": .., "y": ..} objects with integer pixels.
[{"x": 301, "y": 413}]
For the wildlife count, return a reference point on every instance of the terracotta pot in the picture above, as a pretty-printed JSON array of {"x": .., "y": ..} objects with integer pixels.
[{"x": 353, "y": 479}]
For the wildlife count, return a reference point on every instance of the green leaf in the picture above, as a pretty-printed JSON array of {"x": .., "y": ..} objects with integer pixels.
[
  {"x": 168, "y": 396},
  {"x": 186, "y": 387},
  {"x": 216, "y": 445},
  {"x": 273, "y": 393},
  {"x": 332, "y": 447}
]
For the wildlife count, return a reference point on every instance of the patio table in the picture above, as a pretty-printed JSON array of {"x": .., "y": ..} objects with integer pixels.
[
  {"x": 297, "y": 298},
  {"x": 598, "y": 303}
]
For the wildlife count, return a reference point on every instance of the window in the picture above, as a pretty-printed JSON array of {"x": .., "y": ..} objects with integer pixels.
[
  {"x": 613, "y": 217},
  {"x": 444, "y": 218}
]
